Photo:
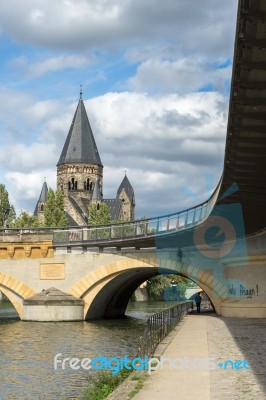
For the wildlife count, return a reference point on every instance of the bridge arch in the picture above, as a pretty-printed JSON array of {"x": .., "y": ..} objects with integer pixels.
[
  {"x": 16, "y": 291},
  {"x": 107, "y": 290}
]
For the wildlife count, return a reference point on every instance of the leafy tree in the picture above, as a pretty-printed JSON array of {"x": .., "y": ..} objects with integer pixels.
[
  {"x": 11, "y": 216},
  {"x": 99, "y": 214},
  {"x": 174, "y": 285},
  {"x": 54, "y": 214},
  {"x": 26, "y": 220},
  {"x": 7, "y": 212},
  {"x": 156, "y": 286}
]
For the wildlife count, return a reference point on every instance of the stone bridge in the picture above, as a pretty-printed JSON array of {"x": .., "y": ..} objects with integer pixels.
[
  {"x": 219, "y": 244},
  {"x": 105, "y": 279}
]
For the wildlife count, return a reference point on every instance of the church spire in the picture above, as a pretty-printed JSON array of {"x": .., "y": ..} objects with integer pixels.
[
  {"x": 80, "y": 146},
  {"x": 96, "y": 195},
  {"x": 39, "y": 209}
]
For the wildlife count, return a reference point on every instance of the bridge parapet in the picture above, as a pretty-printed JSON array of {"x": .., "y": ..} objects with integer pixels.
[
  {"x": 139, "y": 233},
  {"x": 26, "y": 249}
]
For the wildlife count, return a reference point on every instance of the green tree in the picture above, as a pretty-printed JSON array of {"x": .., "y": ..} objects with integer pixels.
[
  {"x": 99, "y": 214},
  {"x": 175, "y": 285},
  {"x": 7, "y": 212},
  {"x": 26, "y": 220},
  {"x": 54, "y": 214}
]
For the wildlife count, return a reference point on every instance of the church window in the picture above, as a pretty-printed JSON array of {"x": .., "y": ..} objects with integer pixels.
[
  {"x": 98, "y": 206},
  {"x": 41, "y": 207},
  {"x": 72, "y": 185}
]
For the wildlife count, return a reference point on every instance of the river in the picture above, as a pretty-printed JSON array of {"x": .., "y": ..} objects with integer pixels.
[{"x": 28, "y": 349}]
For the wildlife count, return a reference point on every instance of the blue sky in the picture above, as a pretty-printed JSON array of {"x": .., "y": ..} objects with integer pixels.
[{"x": 156, "y": 79}]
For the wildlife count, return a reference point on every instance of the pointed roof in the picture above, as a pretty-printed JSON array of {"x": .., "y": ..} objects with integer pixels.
[
  {"x": 126, "y": 185},
  {"x": 80, "y": 146},
  {"x": 96, "y": 195},
  {"x": 42, "y": 198},
  {"x": 114, "y": 206},
  {"x": 44, "y": 192}
]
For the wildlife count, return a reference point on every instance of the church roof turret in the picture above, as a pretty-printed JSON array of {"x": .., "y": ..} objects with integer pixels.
[
  {"x": 44, "y": 192},
  {"x": 42, "y": 198},
  {"x": 80, "y": 146},
  {"x": 96, "y": 195},
  {"x": 126, "y": 185}
]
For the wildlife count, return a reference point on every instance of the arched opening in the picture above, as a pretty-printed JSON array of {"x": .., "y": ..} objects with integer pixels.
[
  {"x": 112, "y": 299},
  {"x": 14, "y": 305},
  {"x": 87, "y": 184},
  {"x": 72, "y": 184}
]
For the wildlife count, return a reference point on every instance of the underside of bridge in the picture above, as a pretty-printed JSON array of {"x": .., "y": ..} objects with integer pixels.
[{"x": 245, "y": 161}]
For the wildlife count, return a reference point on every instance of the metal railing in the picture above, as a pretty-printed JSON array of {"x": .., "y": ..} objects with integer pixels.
[
  {"x": 117, "y": 232},
  {"x": 139, "y": 228},
  {"x": 159, "y": 325}
]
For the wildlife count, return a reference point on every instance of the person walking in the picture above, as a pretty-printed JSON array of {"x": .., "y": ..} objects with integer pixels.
[{"x": 198, "y": 299}]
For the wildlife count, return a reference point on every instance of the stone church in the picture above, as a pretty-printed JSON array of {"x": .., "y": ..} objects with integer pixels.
[{"x": 80, "y": 177}]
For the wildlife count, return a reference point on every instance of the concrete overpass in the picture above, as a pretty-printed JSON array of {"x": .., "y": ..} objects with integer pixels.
[{"x": 219, "y": 244}]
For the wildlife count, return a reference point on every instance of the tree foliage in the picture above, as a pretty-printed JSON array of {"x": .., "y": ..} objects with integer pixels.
[
  {"x": 99, "y": 215},
  {"x": 174, "y": 286},
  {"x": 7, "y": 211},
  {"x": 54, "y": 214},
  {"x": 26, "y": 220}
]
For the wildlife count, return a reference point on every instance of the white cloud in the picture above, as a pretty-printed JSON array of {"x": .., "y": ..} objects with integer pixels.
[
  {"x": 72, "y": 24},
  {"x": 183, "y": 75},
  {"x": 23, "y": 157},
  {"x": 24, "y": 188},
  {"x": 50, "y": 64}
]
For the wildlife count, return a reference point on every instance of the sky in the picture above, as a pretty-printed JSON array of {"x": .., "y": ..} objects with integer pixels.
[{"x": 156, "y": 82}]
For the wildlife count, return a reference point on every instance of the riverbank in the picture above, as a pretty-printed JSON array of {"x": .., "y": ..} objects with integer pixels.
[{"x": 208, "y": 336}]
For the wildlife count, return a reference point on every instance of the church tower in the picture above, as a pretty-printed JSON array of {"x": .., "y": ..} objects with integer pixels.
[
  {"x": 79, "y": 169},
  {"x": 39, "y": 209},
  {"x": 125, "y": 194}
]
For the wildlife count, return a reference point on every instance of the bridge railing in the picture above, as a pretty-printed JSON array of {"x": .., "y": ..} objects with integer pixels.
[
  {"x": 159, "y": 325},
  {"x": 139, "y": 228},
  {"x": 115, "y": 232}
]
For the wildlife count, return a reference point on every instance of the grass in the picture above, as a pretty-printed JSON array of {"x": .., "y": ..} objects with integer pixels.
[
  {"x": 140, "y": 380},
  {"x": 104, "y": 384}
]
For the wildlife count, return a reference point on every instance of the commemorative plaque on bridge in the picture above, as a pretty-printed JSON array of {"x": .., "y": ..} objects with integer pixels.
[{"x": 52, "y": 271}]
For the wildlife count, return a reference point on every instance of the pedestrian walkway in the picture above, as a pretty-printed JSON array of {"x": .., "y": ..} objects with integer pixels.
[
  {"x": 207, "y": 335},
  {"x": 190, "y": 341}
]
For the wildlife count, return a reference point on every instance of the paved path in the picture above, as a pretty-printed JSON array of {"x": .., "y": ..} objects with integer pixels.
[{"x": 203, "y": 336}]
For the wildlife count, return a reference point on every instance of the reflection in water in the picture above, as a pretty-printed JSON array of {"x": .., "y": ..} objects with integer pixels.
[{"x": 28, "y": 348}]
